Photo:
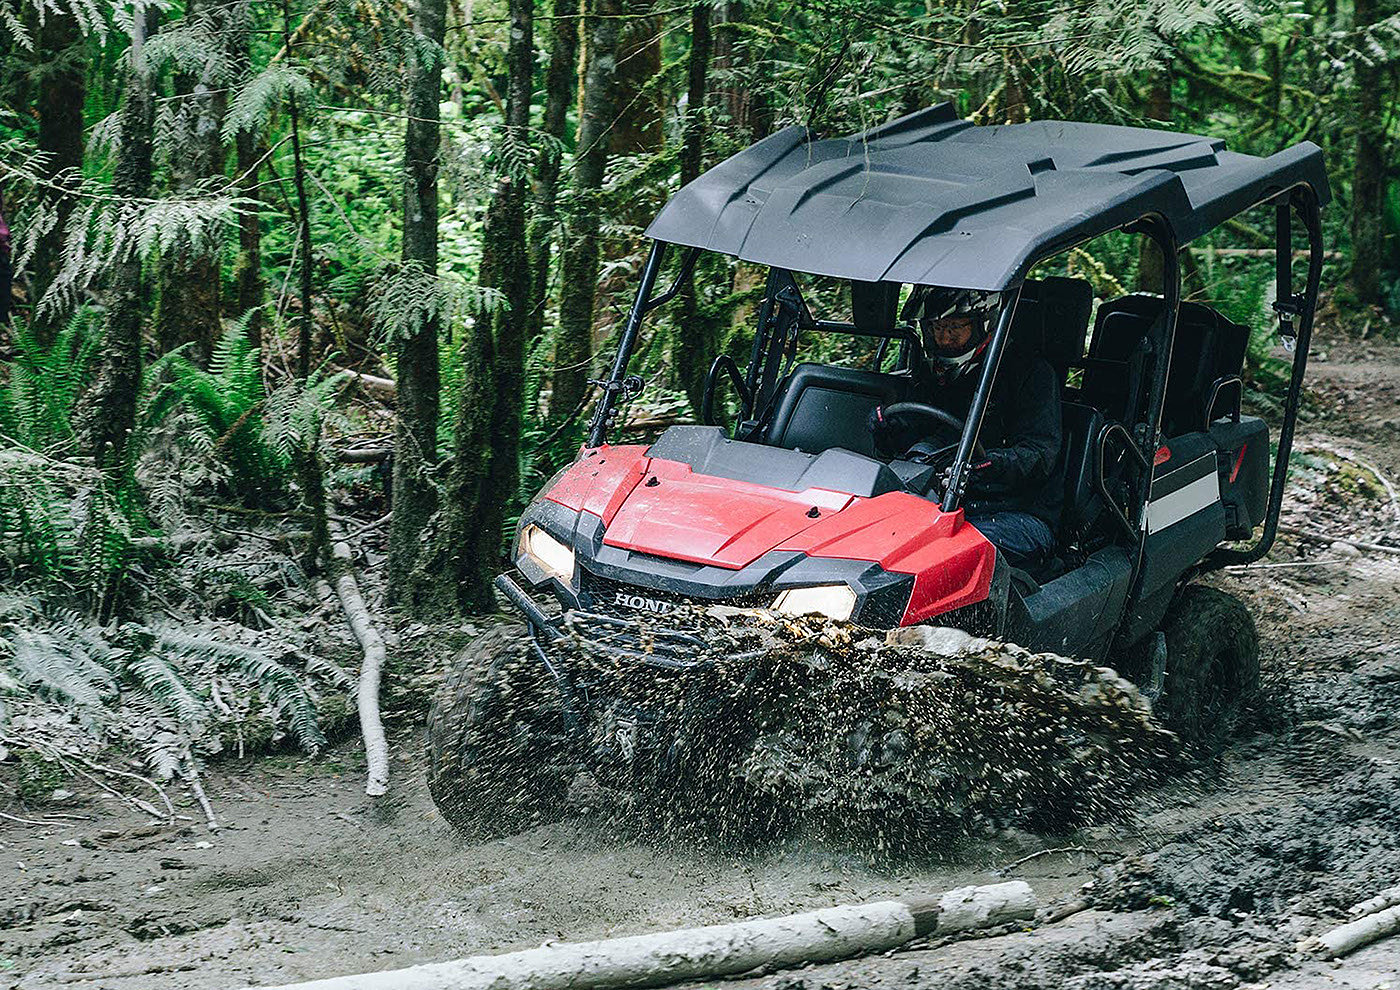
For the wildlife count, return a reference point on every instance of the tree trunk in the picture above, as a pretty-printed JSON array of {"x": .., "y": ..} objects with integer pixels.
[
  {"x": 1159, "y": 96},
  {"x": 188, "y": 310},
  {"x": 307, "y": 262},
  {"x": 485, "y": 475},
  {"x": 559, "y": 89},
  {"x": 696, "y": 340},
  {"x": 745, "y": 104},
  {"x": 456, "y": 550},
  {"x": 573, "y": 351},
  {"x": 1368, "y": 170},
  {"x": 109, "y": 410},
  {"x": 247, "y": 267},
  {"x": 61, "y": 92},
  {"x": 638, "y": 127},
  {"x": 512, "y": 323},
  {"x": 416, "y": 355}
]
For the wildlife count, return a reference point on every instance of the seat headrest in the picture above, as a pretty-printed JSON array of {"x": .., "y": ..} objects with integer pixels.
[{"x": 1053, "y": 315}]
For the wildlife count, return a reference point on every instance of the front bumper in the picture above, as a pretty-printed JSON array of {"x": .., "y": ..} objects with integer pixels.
[{"x": 618, "y": 638}]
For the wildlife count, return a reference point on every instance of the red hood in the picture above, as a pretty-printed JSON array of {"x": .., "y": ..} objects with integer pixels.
[
  {"x": 678, "y": 513},
  {"x": 664, "y": 509}
]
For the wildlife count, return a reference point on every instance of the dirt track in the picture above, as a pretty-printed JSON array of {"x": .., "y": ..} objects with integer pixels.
[{"x": 1210, "y": 885}]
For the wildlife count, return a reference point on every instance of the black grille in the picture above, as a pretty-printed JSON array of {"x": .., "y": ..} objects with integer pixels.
[{"x": 607, "y": 597}]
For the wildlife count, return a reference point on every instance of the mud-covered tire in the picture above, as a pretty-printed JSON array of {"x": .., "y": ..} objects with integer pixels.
[
  {"x": 1212, "y": 669},
  {"x": 500, "y": 758}
]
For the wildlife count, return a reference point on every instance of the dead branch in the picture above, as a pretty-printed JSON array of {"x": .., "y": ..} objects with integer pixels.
[
  {"x": 1389, "y": 897},
  {"x": 1348, "y": 938},
  {"x": 372, "y": 645},
  {"x": 1100, "y": 853},
  {"x": 364, "y": 455},
  {"x": 304, "y": 29},
  {"x": 191, "y": 777},
  {"x": 1325, "y": 538}
]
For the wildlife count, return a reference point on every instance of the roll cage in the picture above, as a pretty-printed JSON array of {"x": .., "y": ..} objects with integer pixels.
[{"x": 1175, "y": 175}]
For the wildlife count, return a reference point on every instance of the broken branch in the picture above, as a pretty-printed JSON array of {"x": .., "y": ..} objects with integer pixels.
[{"x": 372, "y": 645}]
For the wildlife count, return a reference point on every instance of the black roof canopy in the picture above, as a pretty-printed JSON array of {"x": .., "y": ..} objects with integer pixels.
[{"x": 930, "y": 198}]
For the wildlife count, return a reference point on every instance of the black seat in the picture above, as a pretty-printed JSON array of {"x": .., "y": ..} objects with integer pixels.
[
  {"x": 1207, "y": 347},
  {"x": 1083, "y": 505},
  {"x": 1113, "y": 372},
  {"x": 819, "y": 407},
  {"x": 1055, "y": 313},
  {"x": 1052, "y": 317}
]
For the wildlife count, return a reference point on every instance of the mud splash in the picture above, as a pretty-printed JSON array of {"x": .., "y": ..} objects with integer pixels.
[{"x": 897, "y": 746}]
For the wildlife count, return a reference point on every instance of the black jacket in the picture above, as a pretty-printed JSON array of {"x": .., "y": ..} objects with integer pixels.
[{"x": 1021, "y": 431}]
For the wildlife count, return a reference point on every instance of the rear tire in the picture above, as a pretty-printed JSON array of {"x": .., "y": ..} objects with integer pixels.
[
  {"x": 499, "y": 752},
  {"x": 1212, "y": 670}
]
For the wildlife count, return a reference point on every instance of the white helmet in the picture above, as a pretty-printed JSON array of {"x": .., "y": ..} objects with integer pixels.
[
  {"x": 928, "y": 303},
  {"x": 932, "y": 302}
]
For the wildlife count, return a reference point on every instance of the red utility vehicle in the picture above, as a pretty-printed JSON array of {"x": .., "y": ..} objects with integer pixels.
[{"x": 793, "y": 510}]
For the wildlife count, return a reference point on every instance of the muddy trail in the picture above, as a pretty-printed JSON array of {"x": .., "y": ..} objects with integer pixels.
[{"x": 1206, "y": 881}]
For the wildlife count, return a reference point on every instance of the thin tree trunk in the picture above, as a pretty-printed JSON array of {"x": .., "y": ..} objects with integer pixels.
[
  {"x": 638, "y": 128},
  {"x": 416, "y": 355},
  {"x": 559, "y": 89},
  {"x": 696, "y": 340},
  {"x": 188, "y": 310},
  {"x": 303, "y": 213},
  {"x": 1368, "y": 170},
  {"x": 736, "y": 95},
  {"x": 247, "y": 268},
  {"x": 61, "y": 92},
  {"x": 514, "y": 279},
  {"x": 574, "y": 349},
  {"x": 109, "y": 411},
  {"x": 455, "y": 552},
  {"x": 1159, "y": 96}
]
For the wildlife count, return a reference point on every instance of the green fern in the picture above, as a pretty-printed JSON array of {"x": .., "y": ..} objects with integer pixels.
[
  {"x": 226, "y": 403},
  {"x": 42, "y": 383}
]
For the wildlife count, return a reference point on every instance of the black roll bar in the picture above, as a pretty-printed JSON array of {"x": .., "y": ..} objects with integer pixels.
[
  {"x": 615, "y": 384},
  {"x": 1290, "y": 307},
  {"x": 957, "y": 478}
]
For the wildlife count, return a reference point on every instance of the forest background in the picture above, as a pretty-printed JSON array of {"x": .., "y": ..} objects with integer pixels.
[{"x": 309, "y": 296}]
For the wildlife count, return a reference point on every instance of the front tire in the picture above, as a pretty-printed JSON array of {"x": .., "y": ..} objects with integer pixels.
[
  {"x": 1212, "y": 670},
  {"x": 499, "y": 751}
]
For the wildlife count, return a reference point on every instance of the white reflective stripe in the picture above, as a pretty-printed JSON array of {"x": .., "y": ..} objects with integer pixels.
[{"x": 1190, "y": 498}]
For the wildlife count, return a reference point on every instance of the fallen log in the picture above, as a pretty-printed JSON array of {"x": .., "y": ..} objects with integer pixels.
[
  {"x": 1386, "y": 898},
  {"x": 1347, "y": 938},
  {"x": 665, "y": 958},
  {"x": 372, "y": 646}
]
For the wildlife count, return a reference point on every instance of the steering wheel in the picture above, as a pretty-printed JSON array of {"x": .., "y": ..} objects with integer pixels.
[{"x": 942, "y": 422}]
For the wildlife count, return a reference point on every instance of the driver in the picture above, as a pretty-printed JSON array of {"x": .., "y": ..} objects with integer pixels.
[{"x": 1014, "y": 492}]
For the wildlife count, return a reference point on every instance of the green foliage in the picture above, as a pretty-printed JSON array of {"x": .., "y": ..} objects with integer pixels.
[
  {"x": 194, "y": 687},
  {"x": 254, "y": 102},
  {"x": 64, "y": 525},
  {"x": 225, "y": 425},
  {"x": 40, "y": 386}
]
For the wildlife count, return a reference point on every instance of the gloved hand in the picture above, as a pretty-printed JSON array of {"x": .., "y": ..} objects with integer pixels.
[
  {"x": 882, "y": 432},
  {"x": 976, "y": 472}
]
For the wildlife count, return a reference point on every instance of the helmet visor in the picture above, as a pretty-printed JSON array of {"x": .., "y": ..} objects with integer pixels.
[{"x": 951, "y": 336}]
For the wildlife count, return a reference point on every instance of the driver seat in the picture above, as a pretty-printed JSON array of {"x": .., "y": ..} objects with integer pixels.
[{"x": 820, "y": 406}]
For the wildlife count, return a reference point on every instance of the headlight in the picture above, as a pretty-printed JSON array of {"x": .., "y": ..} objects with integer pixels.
[
  {"x": 553, "y": 557},
  {"x": 835, "y": 601}
]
